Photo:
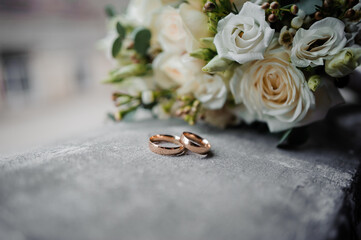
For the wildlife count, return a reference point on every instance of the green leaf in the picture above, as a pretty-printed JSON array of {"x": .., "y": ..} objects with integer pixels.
[
  {"x": 121, "y": 30},
  {"x": 117, "y": 46},
  {"x": 110, "y": 11},
  {"x": 293, "y": 138},
  {"x": 111, "y": 117},
  {"x": 285, "y": 137},
  {"x": 141, "y": 40}
]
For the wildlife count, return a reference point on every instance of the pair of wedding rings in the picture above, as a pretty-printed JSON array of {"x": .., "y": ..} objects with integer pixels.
[{"x": 188, "y": 141}]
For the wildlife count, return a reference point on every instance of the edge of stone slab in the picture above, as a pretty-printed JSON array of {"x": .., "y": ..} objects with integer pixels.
[{"x": 348, "y": 223}]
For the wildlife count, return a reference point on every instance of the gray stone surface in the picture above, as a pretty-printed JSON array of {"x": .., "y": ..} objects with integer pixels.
[{"x": 108, "y": 185}]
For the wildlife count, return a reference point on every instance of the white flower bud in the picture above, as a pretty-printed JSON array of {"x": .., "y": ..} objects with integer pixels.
[
  {"x": 297, "y": 22},
  {"x": 301, "y": 14},
  {"x": 217, "y": 64},
  {"x": 147, "y": 97},
  {"x": 314, "y": 82},
  {"x": 292, "y": 31},
  {"x": 307, "y": 20},
  {"x": 343, "y": 63}
]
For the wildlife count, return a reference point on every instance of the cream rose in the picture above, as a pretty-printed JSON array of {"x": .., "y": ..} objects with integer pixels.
[
  {"x": 167, "y": 29},
  {"x": 243, "y": 37},
  {"x": 320, "y": 42},
  {"x": 195, "y": 23},
  {"x": 175, "y": 70},
  {"x": 274, "y": 91}
]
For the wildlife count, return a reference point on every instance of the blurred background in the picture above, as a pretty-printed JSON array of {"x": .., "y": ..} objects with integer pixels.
[{"x": 50, "y": 70}]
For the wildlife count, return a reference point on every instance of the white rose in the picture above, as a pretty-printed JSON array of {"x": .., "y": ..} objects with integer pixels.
[
  {"x": 174, "y": 70},
  {"x": 274, "y": 91},
  {"x": 320, "y": 42},
  {"x": 139, "y": 12},
  {"x": 243, "y": 37},
  {"x": 210, "y": 90},
  {"x": 167, "y": 29},
  {"x": 195, "y": 23}
]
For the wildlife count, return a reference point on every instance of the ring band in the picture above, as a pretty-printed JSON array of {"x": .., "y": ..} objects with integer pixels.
[
  {"x": 195, "y": 143},
  {"x": 154, "y": 147}
]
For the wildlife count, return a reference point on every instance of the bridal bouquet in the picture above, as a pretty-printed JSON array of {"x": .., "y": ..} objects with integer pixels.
[{"x": 231, "y": 61}]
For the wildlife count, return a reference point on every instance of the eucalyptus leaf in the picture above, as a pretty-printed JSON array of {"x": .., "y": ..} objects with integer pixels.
[
  {"x": 121, "y": 30},
  {"x": 117, "y": 46},
  {"x": 111, "y": 117},
  {"x": 309, "y": 6},
  {"x": 110, "y": 11},
  {"x": 141, "y": 40}
]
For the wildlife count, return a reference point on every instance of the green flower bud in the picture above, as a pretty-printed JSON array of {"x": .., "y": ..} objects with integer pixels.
[
  {"x": 125, "y": 72},
  {"x": 203, "y": 53},
  {"x": 343, "y": 63},
  {"x": 314, "y": 82},
  {"x": 208, "y": 43},
  {"x": 209, "y": 7},
  {"x": 294, "y": 9},
  {"x": 120, "y": 115},
  {"x": 189, "y": 119},
  {"x": 217, "y": 64},
  {"x": 212, "y": 22}
]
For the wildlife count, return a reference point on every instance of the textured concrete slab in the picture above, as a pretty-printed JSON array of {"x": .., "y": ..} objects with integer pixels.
[{"x": 108, "y": 185}]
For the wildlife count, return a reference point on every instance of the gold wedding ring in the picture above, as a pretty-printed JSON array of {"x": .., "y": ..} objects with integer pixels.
[
  {"x": 195, "y": 143},
  {"x": 156, "y": 148}
]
